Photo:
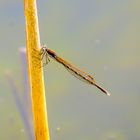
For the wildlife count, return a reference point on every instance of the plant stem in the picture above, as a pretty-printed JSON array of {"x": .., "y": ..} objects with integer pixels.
[{"x": 35, "y": 71}]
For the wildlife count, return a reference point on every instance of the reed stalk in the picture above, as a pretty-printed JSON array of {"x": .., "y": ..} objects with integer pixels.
[{"x": 35, "y": 72}]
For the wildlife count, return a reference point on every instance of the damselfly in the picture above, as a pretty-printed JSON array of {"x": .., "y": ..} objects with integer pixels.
[{"x": 45, "y": 52}]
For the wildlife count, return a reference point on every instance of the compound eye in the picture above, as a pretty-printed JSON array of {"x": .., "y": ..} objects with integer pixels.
[{"x": 43, "y": 49}]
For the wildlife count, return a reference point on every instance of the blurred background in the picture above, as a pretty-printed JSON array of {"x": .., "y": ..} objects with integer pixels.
[{"x": 102, "y": 38}]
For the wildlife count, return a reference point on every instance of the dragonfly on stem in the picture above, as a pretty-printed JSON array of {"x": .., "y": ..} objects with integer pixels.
[{"x": 45, "y": 52}]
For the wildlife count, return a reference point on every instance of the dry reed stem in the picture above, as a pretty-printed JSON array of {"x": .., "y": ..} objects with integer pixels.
[{"x": 35, "y": 71}]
